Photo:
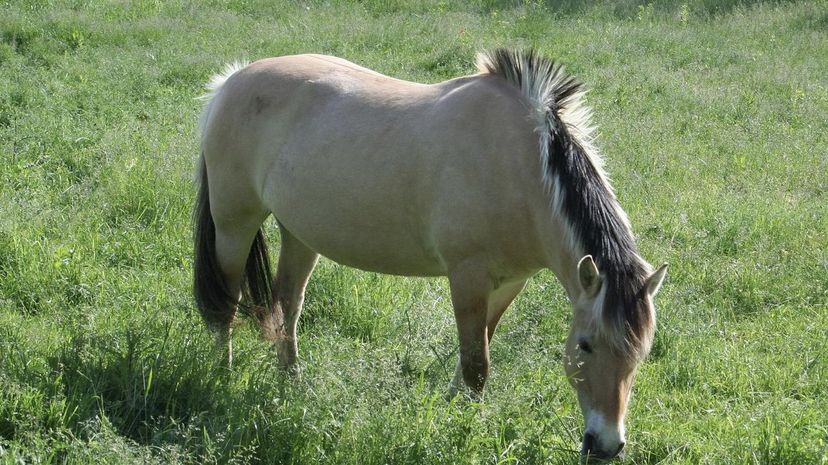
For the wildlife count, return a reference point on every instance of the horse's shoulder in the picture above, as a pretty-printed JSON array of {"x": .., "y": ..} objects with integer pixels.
[{"x": 486, "y": 93}]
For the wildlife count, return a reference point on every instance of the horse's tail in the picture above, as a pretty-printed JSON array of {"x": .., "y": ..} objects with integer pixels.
[
  {"x": 212, "y": 298},
  {"x": 215, "y": 302}
]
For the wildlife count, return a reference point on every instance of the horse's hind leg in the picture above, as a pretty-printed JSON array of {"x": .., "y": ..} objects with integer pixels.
[
  {"x": 233, "y": 241},
  {"x": 296, "y": 263}
]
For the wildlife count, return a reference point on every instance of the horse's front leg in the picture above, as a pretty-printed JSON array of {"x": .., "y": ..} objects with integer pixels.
[
  {"x": 499, "y": 301},
  {"x": 296, "y": 263},
  {"x": 470, "y": 289}
]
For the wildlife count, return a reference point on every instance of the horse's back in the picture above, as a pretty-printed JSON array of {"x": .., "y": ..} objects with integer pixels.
[{"x": 375, "y": 172}]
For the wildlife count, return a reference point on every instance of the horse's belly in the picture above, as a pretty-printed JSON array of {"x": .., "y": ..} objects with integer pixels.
[
  {"x": 354, "y": 219},
  {"x": 376, "y": 245},
  {"x": 376, "y": 260}
]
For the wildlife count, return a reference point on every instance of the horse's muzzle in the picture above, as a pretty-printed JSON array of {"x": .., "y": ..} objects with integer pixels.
[{"x": 591, "y": 449}]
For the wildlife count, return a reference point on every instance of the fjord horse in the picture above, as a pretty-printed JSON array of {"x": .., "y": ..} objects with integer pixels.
[{"x": 485, "y": 179}]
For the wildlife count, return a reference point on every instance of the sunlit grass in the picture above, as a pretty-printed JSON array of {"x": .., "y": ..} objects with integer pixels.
[{"x": 712, "y": 118}]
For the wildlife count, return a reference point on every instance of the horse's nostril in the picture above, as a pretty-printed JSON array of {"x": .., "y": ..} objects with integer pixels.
[{"x": 591, "y": 448}]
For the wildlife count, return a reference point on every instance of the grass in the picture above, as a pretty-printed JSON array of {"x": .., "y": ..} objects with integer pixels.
[{"x": 713, "y": 122}]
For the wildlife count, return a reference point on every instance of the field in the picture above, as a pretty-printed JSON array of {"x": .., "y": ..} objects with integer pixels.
[{"x": 714, "y": 122}]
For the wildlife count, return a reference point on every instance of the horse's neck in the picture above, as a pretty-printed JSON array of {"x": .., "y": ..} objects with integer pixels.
[{"x": 562, "y": 257}]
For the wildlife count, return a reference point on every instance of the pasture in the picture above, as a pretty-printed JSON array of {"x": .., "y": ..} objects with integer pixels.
[{"x": 713, "y": 120}]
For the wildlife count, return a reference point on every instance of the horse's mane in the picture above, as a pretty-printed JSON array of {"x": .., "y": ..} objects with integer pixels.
[{"x": 580, "y": 191}]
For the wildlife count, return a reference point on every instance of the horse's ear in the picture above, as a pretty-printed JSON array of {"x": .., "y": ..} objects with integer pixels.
[
  {"x": 588, "y": 277},
  {"x": 654, "y": 281}
]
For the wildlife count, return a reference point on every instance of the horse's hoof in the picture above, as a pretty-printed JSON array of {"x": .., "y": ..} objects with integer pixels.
[{"x": 292, "y": 370}]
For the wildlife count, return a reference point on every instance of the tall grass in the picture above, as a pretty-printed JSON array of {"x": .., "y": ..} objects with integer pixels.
[{"x": 713, "y": 123}]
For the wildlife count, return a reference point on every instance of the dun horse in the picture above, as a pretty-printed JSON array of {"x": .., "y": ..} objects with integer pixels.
[{"x": 485, "y": 179}]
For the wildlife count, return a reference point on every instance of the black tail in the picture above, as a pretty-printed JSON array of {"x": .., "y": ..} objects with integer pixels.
[{"x": 215, "y": 302}]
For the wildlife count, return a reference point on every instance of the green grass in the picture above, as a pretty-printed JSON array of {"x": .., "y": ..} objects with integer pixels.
[{"x": 713, "y": 119}]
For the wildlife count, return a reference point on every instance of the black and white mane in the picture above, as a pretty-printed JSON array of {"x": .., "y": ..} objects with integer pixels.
[{"x": 580, "y": 191}]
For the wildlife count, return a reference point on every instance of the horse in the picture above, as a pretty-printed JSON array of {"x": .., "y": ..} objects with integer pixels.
[{"x": 485, "y": 179}]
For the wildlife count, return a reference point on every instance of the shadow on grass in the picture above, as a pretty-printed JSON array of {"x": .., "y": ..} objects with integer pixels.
[{"x": 163, "y": 387}]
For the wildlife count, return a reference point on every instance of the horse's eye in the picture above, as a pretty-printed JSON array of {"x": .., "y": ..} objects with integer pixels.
[{"x": 584, "y": 345}]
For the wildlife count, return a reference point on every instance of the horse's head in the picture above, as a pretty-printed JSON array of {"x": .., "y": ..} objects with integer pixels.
[{"x": 611, "y": 334}]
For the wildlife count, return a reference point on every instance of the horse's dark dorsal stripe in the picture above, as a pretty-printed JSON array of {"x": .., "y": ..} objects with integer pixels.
[{"x": 580, "y": 191}]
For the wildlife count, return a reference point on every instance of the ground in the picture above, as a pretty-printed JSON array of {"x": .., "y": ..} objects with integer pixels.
[{"x": 712, "y": 118}]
